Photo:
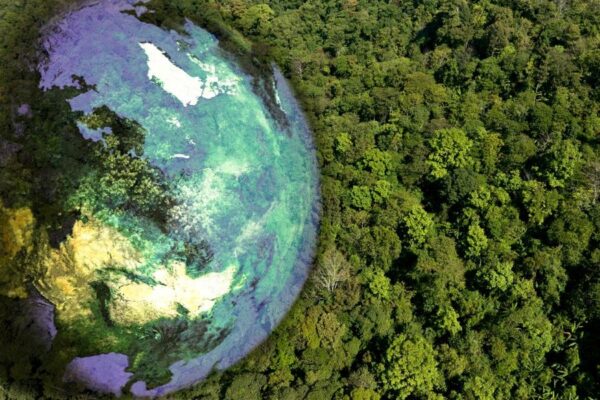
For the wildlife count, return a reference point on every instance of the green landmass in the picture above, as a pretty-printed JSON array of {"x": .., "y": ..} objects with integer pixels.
[{"x": 459, "y": 249}]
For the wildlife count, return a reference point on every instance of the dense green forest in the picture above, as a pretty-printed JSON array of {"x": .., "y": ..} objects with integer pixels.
[{"x": 458, "y": 143}]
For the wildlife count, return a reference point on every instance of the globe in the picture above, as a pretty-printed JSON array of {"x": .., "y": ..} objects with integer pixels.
[{"x": 190, "y": 230}]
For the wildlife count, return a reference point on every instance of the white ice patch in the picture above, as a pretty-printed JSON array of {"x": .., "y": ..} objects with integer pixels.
[
  {"x": 174, "y": 121},
  {"x": 187, "y": 89}
]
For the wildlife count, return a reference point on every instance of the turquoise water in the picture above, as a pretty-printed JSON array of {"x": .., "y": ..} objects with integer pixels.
[{"x": 242, "y": 182}]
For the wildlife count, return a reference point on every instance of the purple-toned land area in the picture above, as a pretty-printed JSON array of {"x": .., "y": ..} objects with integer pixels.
[
  {"x": 37, "y": 321},
  {"x": 95, "y": 135},
  {"x": 104, "y": 373},
  {"x": 24, "y": 110}
]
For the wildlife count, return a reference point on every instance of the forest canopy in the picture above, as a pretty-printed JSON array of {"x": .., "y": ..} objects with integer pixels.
[{"x": 459, "y": 252}]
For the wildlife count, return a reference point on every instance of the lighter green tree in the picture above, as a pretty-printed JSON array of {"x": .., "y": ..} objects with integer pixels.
[
  {"x": 476, "y": 241},
  {"x": 450, "y": 149},
  {"x": 418, "y": 224},
  {"x": 410, "y": 367}
]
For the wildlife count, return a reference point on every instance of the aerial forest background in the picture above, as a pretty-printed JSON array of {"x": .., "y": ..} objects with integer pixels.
[{"x": 458, "y": 142}]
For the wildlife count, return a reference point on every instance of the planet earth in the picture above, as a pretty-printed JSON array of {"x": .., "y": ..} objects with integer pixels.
[{"x": 189, "y": 232}]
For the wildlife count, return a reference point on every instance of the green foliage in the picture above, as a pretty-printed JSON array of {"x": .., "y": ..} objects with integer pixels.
[
  {"x": 379, "y": 284},
  {"x": 418, "y": 226},
  {"x": 124, "y": 180},
  {"x": 361, "y": 197},
  {"x": 564, "y": 161},
  {"x": 499, "y": 276},
  {"x": 377, "y": 162},
  {"x": 476, "y": 241},
  {"x": 539, "y": 202},
  {"x": 449, "y": 149},
  {"x": 364, "y": 394},
  {"x": 246, "y": 386},
  {"x": 382, "y": 191},
  {"x": 410, "y": 367},
  {"x": 256, "y": 20}
]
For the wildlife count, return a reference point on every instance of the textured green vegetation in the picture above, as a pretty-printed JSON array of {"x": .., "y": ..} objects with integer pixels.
[{"x": 460, "y": 161}]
